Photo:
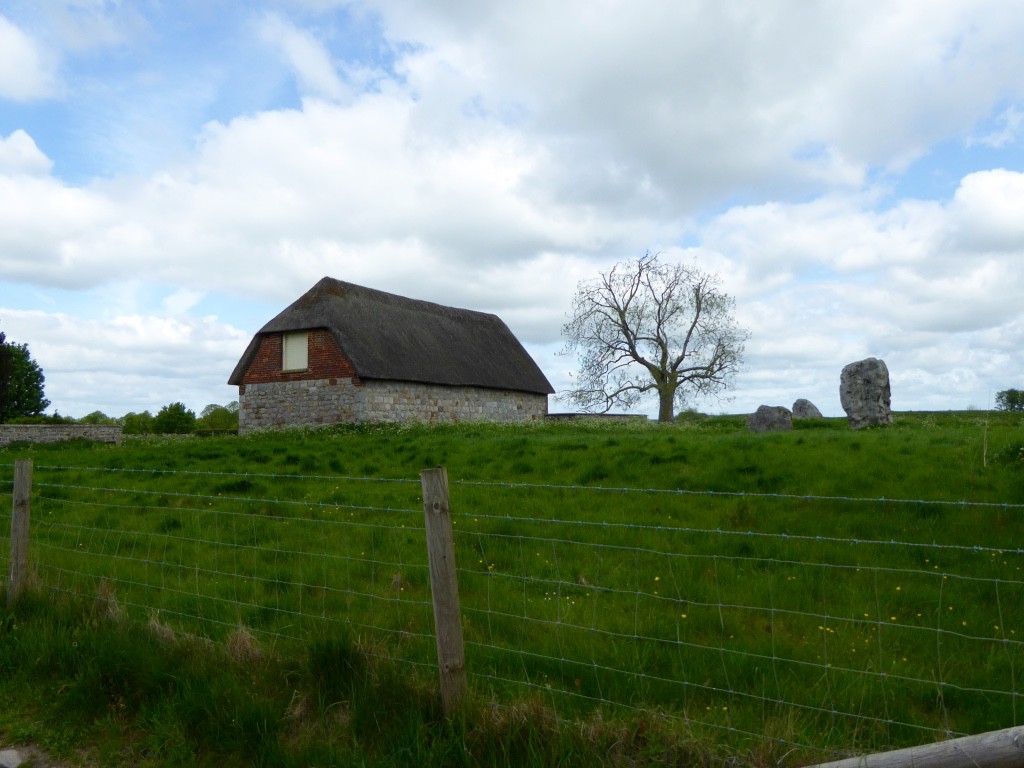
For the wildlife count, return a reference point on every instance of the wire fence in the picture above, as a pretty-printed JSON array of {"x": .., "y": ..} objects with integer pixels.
[{"x": 753, "y": 617}]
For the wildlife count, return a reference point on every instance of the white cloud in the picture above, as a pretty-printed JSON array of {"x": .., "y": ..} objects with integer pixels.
[
  {"x": 25, "y": 72},
  {"x": 20, "y": 155},
  {"x": 824, "y": 283},
  {"x": 180, "y": 302},
  {"x": 988, "y": 206},
  {"x": 85, "y": 25},
  {"x": 56, "y": 235},
  {"x": 316, "y": 73},
  {"x": 350, "y": 191},
  {"x": 699, "y": 99},
  {"x": 129, "y": 362},
  {"x": 1008, "y": 129}
]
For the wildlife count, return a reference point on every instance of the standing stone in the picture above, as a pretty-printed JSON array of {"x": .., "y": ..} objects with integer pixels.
[
  {"x": 864, "y": 393},
  {"x": 805, "y": 409},
  {"x": 770, "y": 418}
]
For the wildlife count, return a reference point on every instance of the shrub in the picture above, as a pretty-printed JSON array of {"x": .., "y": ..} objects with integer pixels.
[
  {"x": 218, "y": 418},
  {"x": 174, "y": 419},
  {"x": 97, "y": 417},
  {"x": 1010, "y": 400},
  {"x": 137, "y": 423}
]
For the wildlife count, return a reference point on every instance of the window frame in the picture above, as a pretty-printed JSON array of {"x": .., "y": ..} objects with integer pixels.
[{"x": 294, "y": 348}]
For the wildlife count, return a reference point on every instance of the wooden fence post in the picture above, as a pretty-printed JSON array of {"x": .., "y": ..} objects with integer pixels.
[
  {"x": 17, "y": 579},
  {"x": 444, "y": 589}
]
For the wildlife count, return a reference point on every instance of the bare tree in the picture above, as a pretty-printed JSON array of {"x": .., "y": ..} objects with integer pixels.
[{"x": 648, "y": 326}]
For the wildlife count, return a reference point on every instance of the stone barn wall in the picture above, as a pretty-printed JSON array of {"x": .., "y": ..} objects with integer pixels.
[
  {"x": 320, "y": 402},
  {"x": 316, "y": 403},
  {"x": 409, "y": 401}
]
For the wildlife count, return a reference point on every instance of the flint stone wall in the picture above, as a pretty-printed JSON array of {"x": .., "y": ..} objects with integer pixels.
[
  {"x": 59, "y": 433},
  {"x": 320, "y": 402}
]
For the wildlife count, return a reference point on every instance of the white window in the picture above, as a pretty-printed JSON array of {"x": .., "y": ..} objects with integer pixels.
[{"x": 295, "y": 351}]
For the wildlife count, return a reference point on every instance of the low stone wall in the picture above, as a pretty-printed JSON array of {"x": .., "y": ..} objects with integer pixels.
[
  {"x": 597, "y": 417},
  {"x": 56, "y": 433},
  {"x": 321, "y": 402}
]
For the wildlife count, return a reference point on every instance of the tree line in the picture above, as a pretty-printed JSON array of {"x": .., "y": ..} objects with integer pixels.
[
  {"x": 22, "y": 400},
  {"x": 172, "y": 419}
]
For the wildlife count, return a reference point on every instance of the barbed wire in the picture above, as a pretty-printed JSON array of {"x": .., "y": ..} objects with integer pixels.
[
  {"x": 545, "y": 486},
  {"x": 240, "y": 499},
  {"x": 276, "y": 633},
  {"x": 783, "y": 536},
  {"x": 207, "y": 473},
  {"x": 214, "y": 543},
  {"x": 735, "y": 494},
  {"x": 709, "y": 689},
  {"x": 249, "y": 515}
]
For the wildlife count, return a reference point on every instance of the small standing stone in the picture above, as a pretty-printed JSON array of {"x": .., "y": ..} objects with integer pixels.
[
  {"x": 770, "y": 418},
  {"x": 805, "y": 409},
  {"x": 9, "y": 758},
  {"x": 865, "y": 394}
]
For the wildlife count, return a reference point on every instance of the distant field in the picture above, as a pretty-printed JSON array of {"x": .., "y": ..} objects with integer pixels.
[
  {"x": 943, "y": 454},
  {"x": 818, "y": 588}
]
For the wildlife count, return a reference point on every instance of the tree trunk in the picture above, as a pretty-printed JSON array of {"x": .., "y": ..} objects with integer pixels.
[{"x": 666, "y": 406}]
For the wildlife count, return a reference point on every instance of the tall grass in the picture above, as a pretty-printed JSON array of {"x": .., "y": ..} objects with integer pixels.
[{"x": 141, "y": 695}]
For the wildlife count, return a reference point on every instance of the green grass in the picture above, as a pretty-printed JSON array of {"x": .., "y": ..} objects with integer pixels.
[
  {"x": 142, "y": 696},
  {"x": 688, "y": 616}
]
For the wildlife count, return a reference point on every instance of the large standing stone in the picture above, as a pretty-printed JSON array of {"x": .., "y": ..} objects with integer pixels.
[
  {"x": 770, "y": 418},
  {"x": 864, "y": 393},
  {"x": 805, "y": 409}
]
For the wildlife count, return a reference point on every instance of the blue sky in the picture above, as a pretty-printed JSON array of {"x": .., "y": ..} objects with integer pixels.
[{"x": 174, "y": 174}]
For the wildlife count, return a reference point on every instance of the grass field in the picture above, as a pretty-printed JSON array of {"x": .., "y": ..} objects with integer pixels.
[{"x": 690, "y": 593}]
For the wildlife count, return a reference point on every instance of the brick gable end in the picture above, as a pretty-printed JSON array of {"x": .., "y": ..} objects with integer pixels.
[{"x": 326, "y": 361}]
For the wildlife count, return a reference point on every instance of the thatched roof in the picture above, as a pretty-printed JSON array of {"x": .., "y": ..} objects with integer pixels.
[{"x": 385, "y": 336}]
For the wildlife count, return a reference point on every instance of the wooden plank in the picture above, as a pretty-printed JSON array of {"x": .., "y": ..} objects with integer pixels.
[
  {"x": 17, "y": 577},
  {"x": 444, "y": 589},
  {"x": 995, "y": 749}
]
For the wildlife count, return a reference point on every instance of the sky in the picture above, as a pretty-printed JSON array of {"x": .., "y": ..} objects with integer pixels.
[{"x": 175, "y": 173}]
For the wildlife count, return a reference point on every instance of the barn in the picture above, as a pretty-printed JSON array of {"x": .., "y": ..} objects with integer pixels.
[{"x": 343, "y": 353}]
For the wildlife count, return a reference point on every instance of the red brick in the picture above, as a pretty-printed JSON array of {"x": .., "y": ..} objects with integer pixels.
[{"x": 326, "y": 361}]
